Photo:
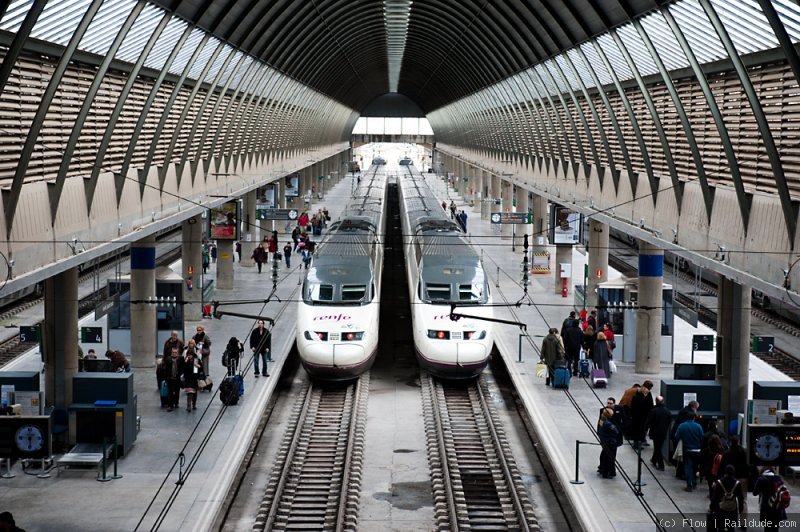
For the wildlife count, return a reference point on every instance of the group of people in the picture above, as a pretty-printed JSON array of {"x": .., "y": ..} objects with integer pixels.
[
  {"x": 460, "y": 217},
  {"x": 183, "y": 367},
  {"x": 578, "y": 336}
]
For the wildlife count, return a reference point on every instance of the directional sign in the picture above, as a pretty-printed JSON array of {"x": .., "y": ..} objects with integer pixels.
[
  {"x": 763, "y": 344},
  {"x": 277, "y": 214},
  {"x": 511, "y": 218},
  {"x": 29, "y": 333},
  {"x": 91, "y": 335},
  {"x": 703, "y": 342}
]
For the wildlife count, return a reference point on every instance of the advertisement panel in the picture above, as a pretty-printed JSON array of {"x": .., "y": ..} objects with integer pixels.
[
  {"x": 292, "y": 185},
  {"x": 565, "y": 225},
  {"x": 223, "y": 224}
]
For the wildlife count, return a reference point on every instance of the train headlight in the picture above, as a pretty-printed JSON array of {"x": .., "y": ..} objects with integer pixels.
[
  {"x": 352, "y": 336},
  {"x": 474, "y": 335},
  {"x": 438, "y": 335},
  {"x": 322, "y": 335},
  {"x": 317, "y": 335}
]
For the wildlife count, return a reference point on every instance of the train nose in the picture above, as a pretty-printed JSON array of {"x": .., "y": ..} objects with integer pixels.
[
  {"x": 334, "y": 355},
  {"x": 471, "y": 352}
]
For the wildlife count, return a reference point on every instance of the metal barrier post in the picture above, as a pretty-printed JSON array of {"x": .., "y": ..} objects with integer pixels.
[
  {"x": 497, "y": 281},
  {"x": 104, "y": 478},
  {"x": 8, "y": 473},
  {"x": 519, "y": 347},
  {"x": 577, "y": 463},
  {"x": 115, "y": 475},
  {"x": 639, "y": 482}
]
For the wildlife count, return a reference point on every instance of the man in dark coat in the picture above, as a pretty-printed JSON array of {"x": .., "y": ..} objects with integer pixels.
[
  {"x": 552, "y": 351},
  {"x": 260, "y": 345},
  {"x": 573, "y": 339},
  {"x": 658, "y": 420},
  {"x": 610, "y": 438},
  {"x": 641, "y": 404}
]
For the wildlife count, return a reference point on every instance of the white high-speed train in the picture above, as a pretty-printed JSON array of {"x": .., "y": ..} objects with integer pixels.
[
  {"x": 337, "y": 320},
  {"x": 443, "y": 269}
]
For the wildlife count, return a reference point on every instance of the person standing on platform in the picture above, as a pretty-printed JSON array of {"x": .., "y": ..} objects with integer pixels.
[
  {"x": 238, "y": 250},
  {"x": 203, "y": 341},
  {"x": 601, "y": 354},
  {"x": 172, "y": 374},
  {"x": 573, "y": 338},
  {"x": 190, "y": 370},
  {"x": 589, "y": 339},
  {"x": 610, "y": 438},
  {"x": 612, "y": 344},
  {"x": 625, "y": 403},
  {"x": 452, "y": 209},
  {"x": 233, "y": 352},
  {"x": 641, "y": 405},
  {"x": 567, "y": 321},
  {"x": 172, "y": 341},
  {"x": 552, "y": 351},
  {"x": 462, "y": 218},
  {"x": 295, "y": 237},
  {"x": 260, "y": 343},
  {"x": 444, "y": 205},
  {"x": 302, "y": 221},
  {"x": 213, "y": 253},
  {"x": 206, "y": 258},
  {"x": 727, "y": 500},
  {"x": 683, "y": 415},
  {"x": 287, "y": 254},
  {"x": 736, "y": 456},
  {"x": 658, "y": 421},
  {"x": 591, "y": 321},
  {"x": 765, "y": 488},
  {"x": 690, "y": 433},
  {"x": 259, "y": 256}
]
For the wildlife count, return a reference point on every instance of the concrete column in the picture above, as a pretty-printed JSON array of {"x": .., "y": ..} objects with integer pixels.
[
  {"x": 597, "y": 260},
  {"x": 733, "y": 344},
  {"x": 540, "y": 219},
  {"x": 486, "y": 200},
  {"x": 563, "y": 256},
  {"x": 495, "y": 193},
  {"x": 60, "y": 337},
  {"x": 225, "y": 264},
  {"x": 192, "y": 259},
  {"x": 144, "y": 339},
  {"x": 478, "y": 196},
  {"x": 250, "y": 229},
  {"x": 522, "y": 206},
  {"x": 648, "y": 315},
  {"x": 506, "y": 193}
]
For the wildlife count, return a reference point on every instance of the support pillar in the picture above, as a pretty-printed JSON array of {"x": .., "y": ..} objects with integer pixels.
[
  {"x": 486, "y": 199},
  {"x": 192, "y": 261},
  {"x": 60, "y": 336},
  {"x": 507, "y": 198},
  {"x": 522, "y": 206},
  {"x": 495, "y": 194},
  {"x": 597, "y": 260},
  {"x": 733, "y": 344},
  {"x": 249, "y": 234},
  {"x": 225, "y": 264},
  {"x": 144, "y": 338},
  {"x": 540, "y": 219},
  {"x": 563, "y": 256},
  {"x": 649, "y": 313},
  {"x": 478, "y": 195}
]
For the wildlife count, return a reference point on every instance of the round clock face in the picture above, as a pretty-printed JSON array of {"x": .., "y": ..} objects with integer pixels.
[
  {"x": 496, "y": 218},
  {"x": 768, "y": 447},
  {"x": 29, "y": 438}
]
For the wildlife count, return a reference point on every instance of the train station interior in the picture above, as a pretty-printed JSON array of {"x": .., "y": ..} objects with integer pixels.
[{"x": 270, "y": 172}]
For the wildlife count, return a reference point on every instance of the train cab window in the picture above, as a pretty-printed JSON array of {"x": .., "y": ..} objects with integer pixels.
[
  {"x": 470, "y": 292},
  {"x": 437, "y": 292},
  {"x": 319, "y": 292},
  {"x": 353, "y": 292}
]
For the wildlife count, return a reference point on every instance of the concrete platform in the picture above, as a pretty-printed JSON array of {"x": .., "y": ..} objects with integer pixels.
[
  {"x": 561, "y": 418},
  {"x": 77, "y": 502}
]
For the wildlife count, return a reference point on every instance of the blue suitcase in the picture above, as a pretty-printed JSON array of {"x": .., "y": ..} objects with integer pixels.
[
  {"x": 584, "y": 368},
  {"x": 561, "y": 378}
]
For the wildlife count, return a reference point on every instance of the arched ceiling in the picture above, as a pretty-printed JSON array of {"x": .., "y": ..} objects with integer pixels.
[{"x": 452, "y": 47}]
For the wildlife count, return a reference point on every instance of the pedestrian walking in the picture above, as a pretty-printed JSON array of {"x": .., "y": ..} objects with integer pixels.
[
  {"x": 690, "y": 435},
  {"x": 191, "y": 371},
  {"x": 657, "y": 423},
  {"x": 452, "y": 209},
  {"x": 232, "y": 355},
  {"x": 259, "y": 256},
  {"x": 610, "y": 439},
  {"x": 172, "y": 366},
  {"x": 462, "y": 219},
  {"x": 551, "y": 352},
  {"x": 203, "y": 342},
  {"x": 287, "y": 254}
]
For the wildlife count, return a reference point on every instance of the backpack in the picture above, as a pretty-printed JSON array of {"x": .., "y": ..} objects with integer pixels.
[
  {"x": 780, "y": 498},
  {"x": 728, "y": 503}
]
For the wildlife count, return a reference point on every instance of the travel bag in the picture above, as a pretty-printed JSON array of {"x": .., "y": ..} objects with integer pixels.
[
  {"x": 561, "y": 377},
  {"x": 584, "y": 368},
  {"x": 599, "y": 379}
]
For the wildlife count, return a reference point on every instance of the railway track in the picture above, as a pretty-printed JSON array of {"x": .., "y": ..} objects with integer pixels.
[
  {"x": 474, "y": 478},
  {"x": 316, "y": 480},
  {"x": 778, "y": 358}
]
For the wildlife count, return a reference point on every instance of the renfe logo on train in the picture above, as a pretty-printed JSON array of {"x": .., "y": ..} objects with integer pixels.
[{"x": 332, "y": 317}]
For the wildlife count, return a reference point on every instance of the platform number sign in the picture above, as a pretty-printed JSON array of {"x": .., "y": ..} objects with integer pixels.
[
  {"x": 91, "y": 335},
  {"x": 703, "y": 342},
  {"x": 29, "y": 334},
  {"x": 763, "y": 344}
]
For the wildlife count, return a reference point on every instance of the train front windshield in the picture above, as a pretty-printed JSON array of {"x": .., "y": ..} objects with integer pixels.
[
  {"x": 454, "y": 284},
  {"x": 338, "y": 285}
]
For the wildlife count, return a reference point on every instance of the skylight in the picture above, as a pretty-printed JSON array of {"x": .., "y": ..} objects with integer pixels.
[{"x": 395, "y": 17}]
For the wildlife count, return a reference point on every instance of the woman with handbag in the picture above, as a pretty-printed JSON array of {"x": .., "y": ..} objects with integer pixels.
[
  {"x": 601, "y": 354},
  {"x": 190, "y": 372},
  {"x": 203, "y": 341}
]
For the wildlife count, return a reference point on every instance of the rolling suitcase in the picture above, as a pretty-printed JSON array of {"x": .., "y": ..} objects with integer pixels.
[
  {"x": 561, "y": 377},
  {"x": 599, "y": 379},
  {"x": 584, "y": 368},
  {"x": 230, "y": 389}
]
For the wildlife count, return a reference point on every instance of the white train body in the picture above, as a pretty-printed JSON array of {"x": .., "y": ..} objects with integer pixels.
[
  {"x": 337, "y": 319},
  {"x": 443, "y": 269}
]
